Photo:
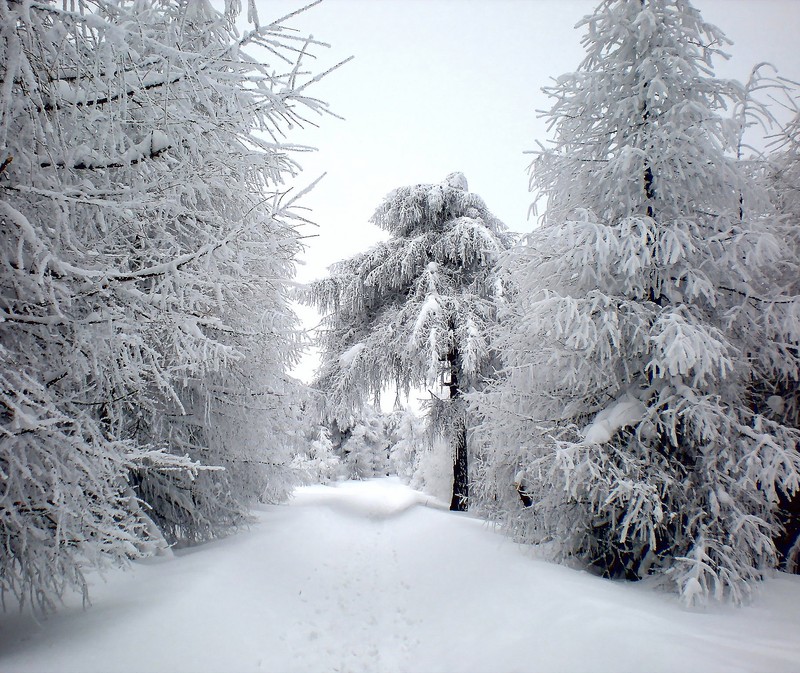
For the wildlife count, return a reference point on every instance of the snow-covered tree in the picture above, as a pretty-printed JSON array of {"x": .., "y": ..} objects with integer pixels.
[
  {"x": 317, "y": 461},
  {"x": 408, "y": 438},
  {"x": 364, "y": 449},
  {"x": 415, "y": 310},
  {"x": 781, "y": 176},
  {"x": 624, "y": 414},
  {"x": 420, "y": 456},
  {"x": 144, "y": 254}
]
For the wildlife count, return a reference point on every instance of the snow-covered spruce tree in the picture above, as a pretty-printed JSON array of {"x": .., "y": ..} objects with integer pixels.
[
  {"x": 365, "y": 449},
  {"x": 781, "y": 177},
  {"x": 624, "y": 414},
  {"x": 143, "y": 317},
  {"x": 316, "y": 461},
  {"x": 775, "y": 380},
  {"x": 417, "y": 308},
  {"x": 408, "y": 438}
]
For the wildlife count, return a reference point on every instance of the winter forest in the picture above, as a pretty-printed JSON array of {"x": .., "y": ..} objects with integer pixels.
[{"x": 612, "y": 394}]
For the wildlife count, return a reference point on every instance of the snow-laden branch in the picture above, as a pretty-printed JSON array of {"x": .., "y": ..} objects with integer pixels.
[
  {"x": 145, "y": 325},
  {"x": 146, "y": 150}
]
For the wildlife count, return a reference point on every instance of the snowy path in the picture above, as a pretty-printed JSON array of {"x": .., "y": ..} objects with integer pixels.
[{"x": 363, "y": 577}]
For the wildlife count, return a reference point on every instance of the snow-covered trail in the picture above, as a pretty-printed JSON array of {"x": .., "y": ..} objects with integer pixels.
[{"x": 365, "y": 577}]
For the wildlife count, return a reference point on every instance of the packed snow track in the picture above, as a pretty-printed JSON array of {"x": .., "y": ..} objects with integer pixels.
[{"x": 373, "y": 576}]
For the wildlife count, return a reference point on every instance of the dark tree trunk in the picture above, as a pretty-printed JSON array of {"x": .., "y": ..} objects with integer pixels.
[
  {"x": 459, "y": 502},
  {"x": 649, "y": 192}
]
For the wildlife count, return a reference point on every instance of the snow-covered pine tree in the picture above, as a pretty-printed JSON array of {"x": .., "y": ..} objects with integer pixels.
[
  {"x": 408, "y": 438},
  {"x": 780, "y": 173},
  {"x": 624, "y": 413},
  {"x": 365, "y": 449},
  {"x": 416, "y": 309},
  {"x": 144, "y": 251},
  {"x": 317, "y": 461}
]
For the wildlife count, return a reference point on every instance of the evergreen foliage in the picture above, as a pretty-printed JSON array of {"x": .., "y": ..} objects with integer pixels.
[
  {"x": 365, "y": 451},
  {"x": 145, "y": 249},
  {"x": 414, "y": 310},
  {"x": 317, "y": 461},
  {"x": 408, "y": 440},
  {"x": 647, "y": 302}
]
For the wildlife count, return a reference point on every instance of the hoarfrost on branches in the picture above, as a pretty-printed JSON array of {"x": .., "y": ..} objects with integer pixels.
[
  {"x": 415, "y": 310},
  {"x": 146, "y": 246},
  {"x": 648, "y": 306}
]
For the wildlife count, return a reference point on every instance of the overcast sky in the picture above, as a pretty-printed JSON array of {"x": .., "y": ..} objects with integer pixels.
[{"x": 438, "y": 86}]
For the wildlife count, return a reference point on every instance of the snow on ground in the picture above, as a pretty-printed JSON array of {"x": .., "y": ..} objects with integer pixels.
[{"x": 372, "y": 576}]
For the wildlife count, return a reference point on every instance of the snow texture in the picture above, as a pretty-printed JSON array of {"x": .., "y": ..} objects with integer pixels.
[
  {"x": 372, "y": 577},
  {"x": 346, "y": 358},
  {"x": 625, "y": 411}
]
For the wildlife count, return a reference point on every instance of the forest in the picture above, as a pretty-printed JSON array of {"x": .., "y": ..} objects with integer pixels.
[{"x": 617, "y": 388}]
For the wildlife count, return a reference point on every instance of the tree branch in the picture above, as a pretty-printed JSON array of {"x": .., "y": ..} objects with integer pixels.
[{"x": 92, "y": 166}]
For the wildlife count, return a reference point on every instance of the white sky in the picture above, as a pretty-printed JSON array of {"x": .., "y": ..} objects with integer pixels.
[{"x": 438, "y": 86}]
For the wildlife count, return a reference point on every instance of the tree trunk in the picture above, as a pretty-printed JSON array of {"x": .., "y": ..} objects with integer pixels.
[
  {"x": 459, "y": 502},
  {"x": 649, "y": 192}
]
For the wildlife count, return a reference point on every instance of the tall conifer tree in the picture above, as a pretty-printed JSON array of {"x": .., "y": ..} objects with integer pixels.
[
  {"x": 145, "y": 328},
  {"x": 415, "y": 310},
  {"x": 624, "y": 414}
]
